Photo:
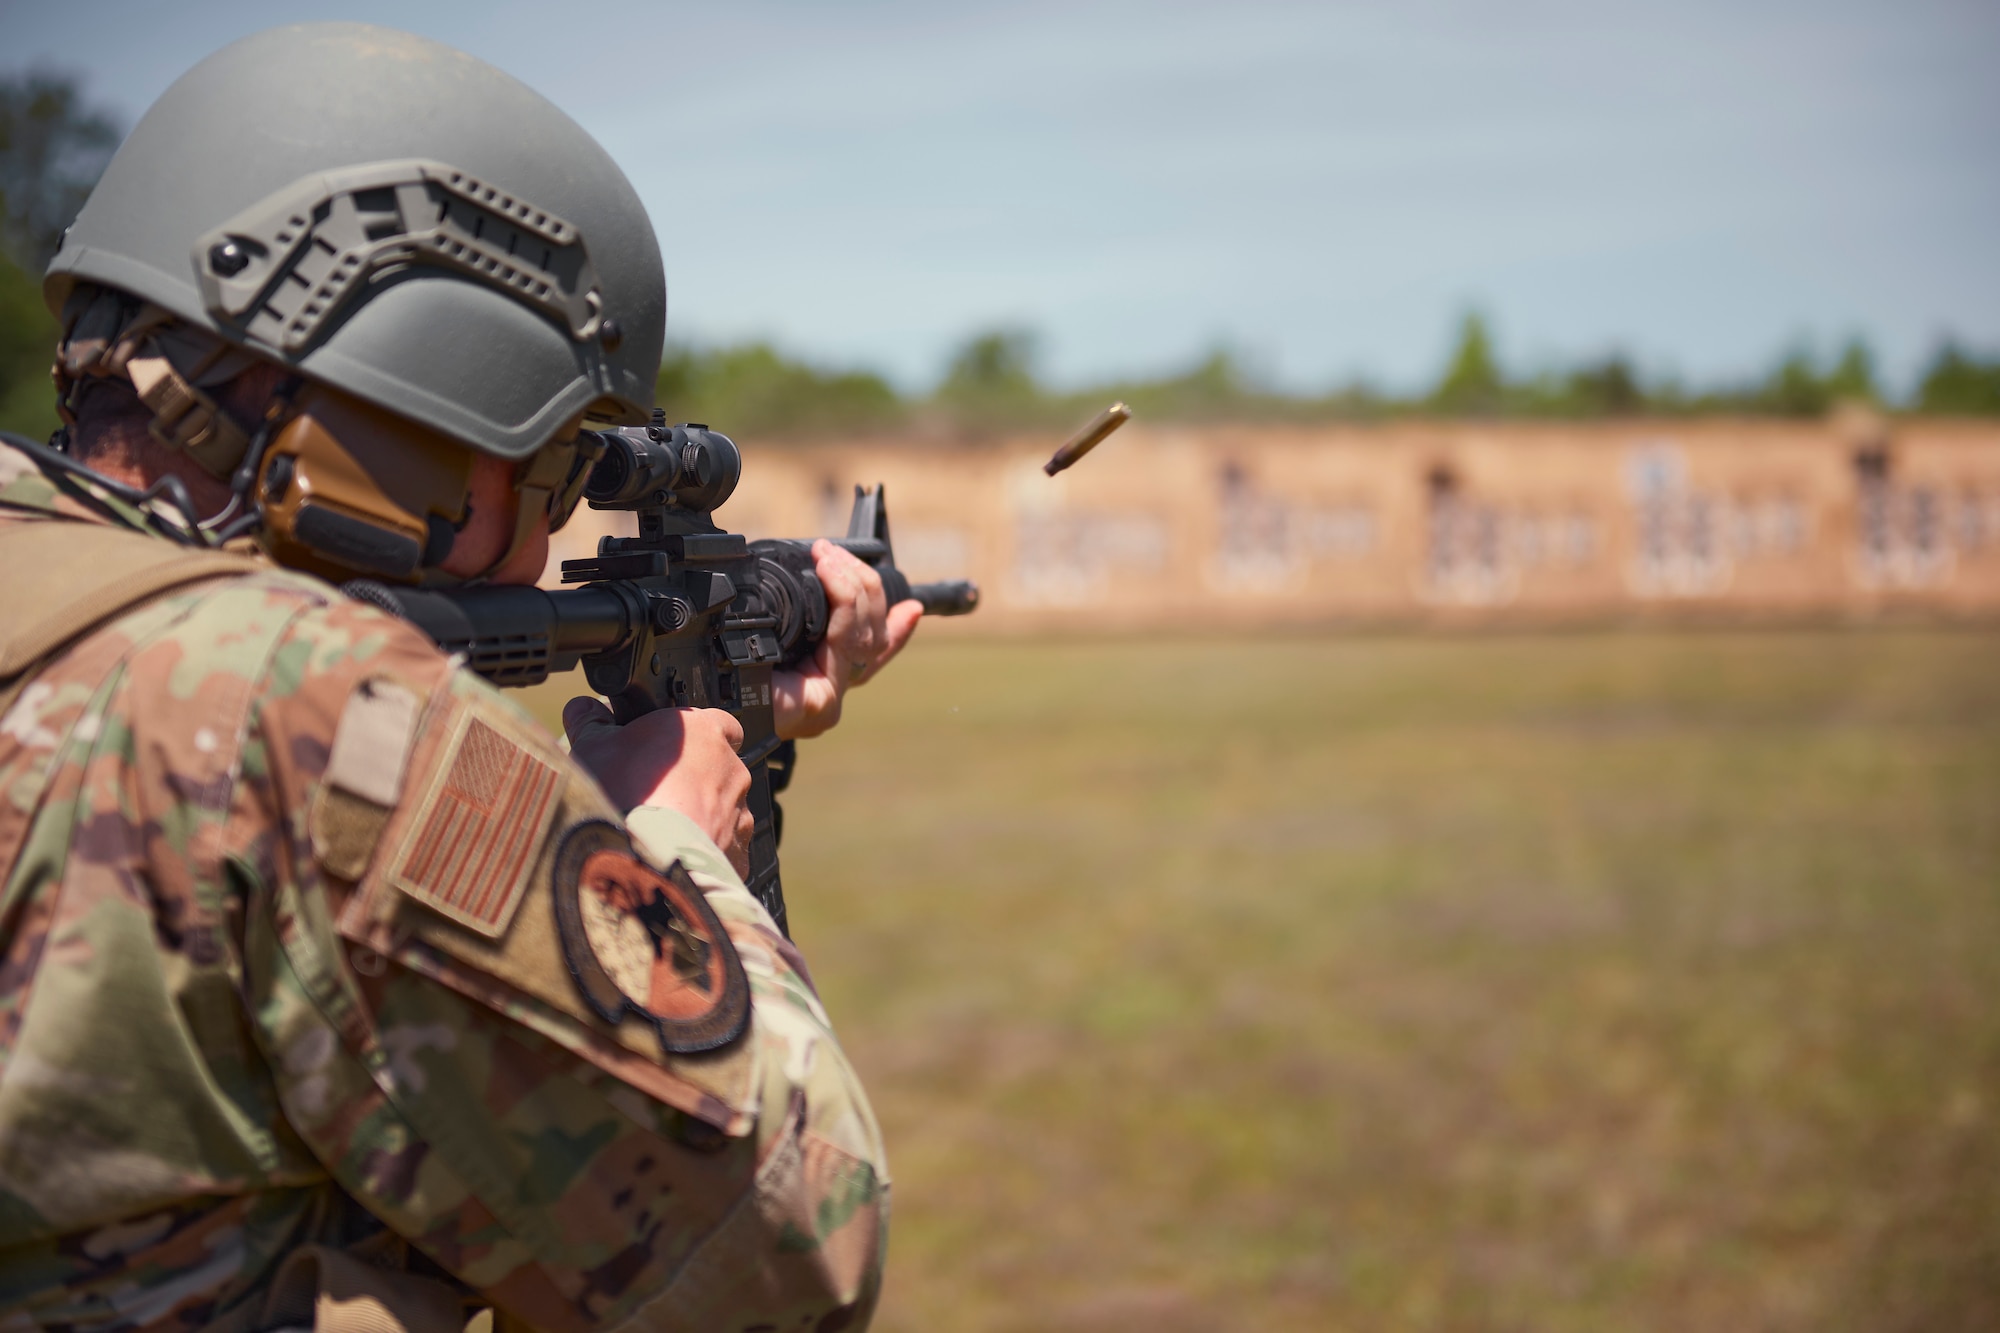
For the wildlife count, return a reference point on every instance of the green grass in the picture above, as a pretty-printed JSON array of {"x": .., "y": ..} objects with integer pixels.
[{"x": 1616, "y": 981}]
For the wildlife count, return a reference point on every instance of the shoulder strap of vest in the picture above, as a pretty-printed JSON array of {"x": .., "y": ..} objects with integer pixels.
[{"x": 63, "y": 578}]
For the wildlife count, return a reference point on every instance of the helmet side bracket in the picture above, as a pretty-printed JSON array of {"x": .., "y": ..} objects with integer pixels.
[{"x": 282, "y": 269}]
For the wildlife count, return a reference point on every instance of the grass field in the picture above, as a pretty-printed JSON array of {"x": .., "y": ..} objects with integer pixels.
[{"x": 1615, "y": 981}]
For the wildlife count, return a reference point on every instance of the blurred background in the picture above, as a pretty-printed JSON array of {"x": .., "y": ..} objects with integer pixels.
[{"x": 1481, "y": 808}]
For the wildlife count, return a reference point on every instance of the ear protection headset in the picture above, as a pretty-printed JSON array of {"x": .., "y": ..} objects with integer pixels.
[{"x": 346, "y": 488}]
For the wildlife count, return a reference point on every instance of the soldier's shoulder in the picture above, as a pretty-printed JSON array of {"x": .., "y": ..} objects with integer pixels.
[
  {"x": 292, "y": 629},
  {"x": 271, "y": 657}
]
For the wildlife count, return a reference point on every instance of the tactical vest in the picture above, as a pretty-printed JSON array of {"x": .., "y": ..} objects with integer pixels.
[
  {"x": 83, "y": 575},
  {"x": 66, "y": 578}
]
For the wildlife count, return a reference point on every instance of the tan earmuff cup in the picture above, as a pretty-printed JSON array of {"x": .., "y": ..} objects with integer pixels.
[{"x": 349, "y": 489}]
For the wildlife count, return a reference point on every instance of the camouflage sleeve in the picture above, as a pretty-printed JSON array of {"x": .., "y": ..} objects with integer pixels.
[{"x": 588, "y": 1078}]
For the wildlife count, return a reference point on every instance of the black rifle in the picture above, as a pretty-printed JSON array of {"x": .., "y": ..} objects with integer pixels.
[{"x": 684, "y": 615}]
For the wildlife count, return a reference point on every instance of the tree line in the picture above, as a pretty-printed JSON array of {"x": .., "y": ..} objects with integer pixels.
[
  {"x": 991, "y": 385},
  {"x": 53, "y": 146}
]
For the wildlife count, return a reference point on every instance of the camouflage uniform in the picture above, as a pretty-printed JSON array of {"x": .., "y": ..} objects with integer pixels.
[{"x": 243, "y": 1010}]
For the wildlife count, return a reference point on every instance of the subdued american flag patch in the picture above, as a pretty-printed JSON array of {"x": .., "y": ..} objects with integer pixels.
[{"x": 475, "y": 842}]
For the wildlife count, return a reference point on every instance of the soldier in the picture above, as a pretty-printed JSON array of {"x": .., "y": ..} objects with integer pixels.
[{"x": 308, "y": 938}]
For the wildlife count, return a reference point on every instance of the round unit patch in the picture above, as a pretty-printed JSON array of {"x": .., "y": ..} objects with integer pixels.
[{"x": 644, "y": 943}]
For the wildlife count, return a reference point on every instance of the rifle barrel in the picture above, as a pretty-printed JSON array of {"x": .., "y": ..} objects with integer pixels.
[{"x": 950, "y": 597}]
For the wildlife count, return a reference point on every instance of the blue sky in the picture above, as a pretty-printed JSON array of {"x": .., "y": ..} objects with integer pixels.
[{"x": 1321, "y": 187}]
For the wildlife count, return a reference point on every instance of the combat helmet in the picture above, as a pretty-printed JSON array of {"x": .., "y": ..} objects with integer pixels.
[{"x": 395, "y": 220}]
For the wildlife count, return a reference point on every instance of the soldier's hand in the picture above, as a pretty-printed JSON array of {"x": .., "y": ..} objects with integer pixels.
[
  {"x": 681, "y": 758},
  {"x": 862, "y": 633}
]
